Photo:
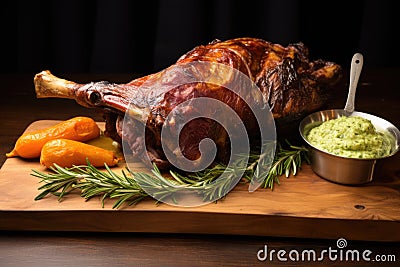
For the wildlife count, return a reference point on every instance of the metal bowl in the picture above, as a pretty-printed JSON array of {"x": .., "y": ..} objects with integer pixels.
[{"x": 343, "y": 170}]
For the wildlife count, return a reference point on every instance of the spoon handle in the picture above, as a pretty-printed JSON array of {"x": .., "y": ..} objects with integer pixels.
[{"x": 355, "y": 71}]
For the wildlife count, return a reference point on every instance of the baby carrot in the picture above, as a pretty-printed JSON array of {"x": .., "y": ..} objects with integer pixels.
[
  {"x": 30, "y": 144},
  {"x": 67, "y": 153}
]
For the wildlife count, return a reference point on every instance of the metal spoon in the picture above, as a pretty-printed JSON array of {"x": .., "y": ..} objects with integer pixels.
[{"x": 355, "y": 71}]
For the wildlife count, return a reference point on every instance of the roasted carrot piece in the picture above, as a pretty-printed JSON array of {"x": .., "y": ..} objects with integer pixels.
[
  {"x": 30, "y": 144},
  {"x": 67, "y": 153}
]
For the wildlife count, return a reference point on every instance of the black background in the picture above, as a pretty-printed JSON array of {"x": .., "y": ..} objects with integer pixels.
[{"x": 90, "y": 36}]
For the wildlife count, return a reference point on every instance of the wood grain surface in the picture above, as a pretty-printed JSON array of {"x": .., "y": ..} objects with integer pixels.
[{"x": 302, "y": 206}]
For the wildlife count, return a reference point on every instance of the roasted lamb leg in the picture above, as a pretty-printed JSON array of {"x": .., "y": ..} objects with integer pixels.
[{"x": 291, "y": 84}]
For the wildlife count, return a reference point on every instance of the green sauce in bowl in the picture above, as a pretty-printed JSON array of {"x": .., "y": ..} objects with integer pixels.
[{"x": 351, "y": 137}]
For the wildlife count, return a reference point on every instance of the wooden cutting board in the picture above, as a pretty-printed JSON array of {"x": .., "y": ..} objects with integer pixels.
[{"x": 303, "y": 206}]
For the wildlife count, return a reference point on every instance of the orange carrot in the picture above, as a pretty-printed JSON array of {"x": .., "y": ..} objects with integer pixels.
[
  {"x": 30, "y": 144},
  {"x": 67, "y": 153}
]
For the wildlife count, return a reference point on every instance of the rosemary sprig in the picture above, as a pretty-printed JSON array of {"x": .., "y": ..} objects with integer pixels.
[
  {"x": 125, "y": 188},
  {"x": 286, "y": 161},
  {"x": 91, "y": 182}
]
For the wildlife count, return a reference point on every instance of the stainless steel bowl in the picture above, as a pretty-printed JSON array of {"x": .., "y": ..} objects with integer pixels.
[
  {"x": 350, "y": 171},
  {"x": 338, "y": 169}
]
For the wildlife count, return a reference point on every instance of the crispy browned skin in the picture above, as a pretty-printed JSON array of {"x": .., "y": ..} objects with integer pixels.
[{"x": 291, "y": 84}]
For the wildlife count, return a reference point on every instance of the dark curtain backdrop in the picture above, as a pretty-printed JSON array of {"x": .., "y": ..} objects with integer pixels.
[{"x": 88, "y": 36}]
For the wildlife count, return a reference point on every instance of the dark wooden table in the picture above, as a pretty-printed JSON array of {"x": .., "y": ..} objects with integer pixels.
[{"x": 378, "y": 93}]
